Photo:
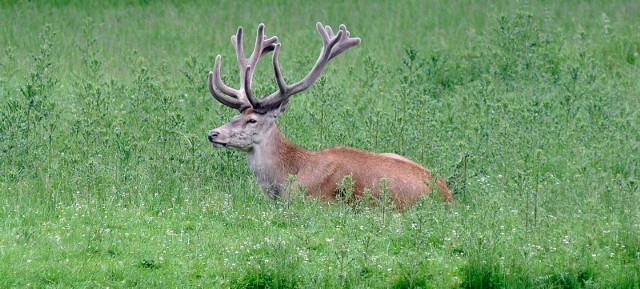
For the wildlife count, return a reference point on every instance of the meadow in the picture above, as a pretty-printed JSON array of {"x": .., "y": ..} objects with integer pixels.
[{"x": 529, "y": 109}]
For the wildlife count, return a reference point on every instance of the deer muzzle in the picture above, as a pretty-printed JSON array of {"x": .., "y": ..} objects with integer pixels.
[{"x": 213, "y": 138}]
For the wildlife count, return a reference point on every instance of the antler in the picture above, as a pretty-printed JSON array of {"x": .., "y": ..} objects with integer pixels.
[
  {"x": 239, "y": 98},
  {"x": 332, "y": 46}
]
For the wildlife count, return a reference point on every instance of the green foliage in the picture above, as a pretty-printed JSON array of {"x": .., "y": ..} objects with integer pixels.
[{"x": 529, "y": 111}]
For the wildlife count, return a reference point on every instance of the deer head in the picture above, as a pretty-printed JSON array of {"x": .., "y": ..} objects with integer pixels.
[{"x": 257, "y": 115}]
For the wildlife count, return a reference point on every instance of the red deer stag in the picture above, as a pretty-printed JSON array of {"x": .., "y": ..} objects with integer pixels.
[{"x": 273, "y": 158}]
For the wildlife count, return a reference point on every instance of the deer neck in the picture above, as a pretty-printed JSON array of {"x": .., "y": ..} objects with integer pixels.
[{"x": 273, "y": 160}]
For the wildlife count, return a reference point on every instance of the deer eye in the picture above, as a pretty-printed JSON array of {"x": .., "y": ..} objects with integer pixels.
[{"x": 251, "y": 120}]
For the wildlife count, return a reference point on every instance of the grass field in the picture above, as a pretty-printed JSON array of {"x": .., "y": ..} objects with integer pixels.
[{"x": 530, "y": 109}]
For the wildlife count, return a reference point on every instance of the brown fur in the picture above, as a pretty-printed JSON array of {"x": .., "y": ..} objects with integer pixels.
[{"x": 320, "y": 172}]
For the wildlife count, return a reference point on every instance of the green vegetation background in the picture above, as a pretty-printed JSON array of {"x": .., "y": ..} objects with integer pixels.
[{"x": 530, "y": 109}]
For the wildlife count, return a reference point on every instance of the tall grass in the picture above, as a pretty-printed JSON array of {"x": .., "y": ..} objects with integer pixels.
[{"x": 530, "y": 110}]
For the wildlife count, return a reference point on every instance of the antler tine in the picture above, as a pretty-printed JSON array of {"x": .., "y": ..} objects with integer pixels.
[
  {"x": 345, "y": 44},
  {"x": 236, "y": 40},
  {"x": 257, "y": 48},
  {"x": 247, "y": 88},
  {"x": 269, "y": 45},
  {"x": 323, "y": 32},
  {"x": 282, "y": 85},
  {"x": 218, "y": 80},
  {"x": 255, "y": 56},
  {"x": 329, "y": 31},
  {"x": 214, "y": 76}
]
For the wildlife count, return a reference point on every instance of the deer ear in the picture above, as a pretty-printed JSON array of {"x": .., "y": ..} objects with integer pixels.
[{"x": 282, "y": 107}]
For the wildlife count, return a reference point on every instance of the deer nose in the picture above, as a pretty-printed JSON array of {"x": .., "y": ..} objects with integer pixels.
[{"x": 212, "y": 135}]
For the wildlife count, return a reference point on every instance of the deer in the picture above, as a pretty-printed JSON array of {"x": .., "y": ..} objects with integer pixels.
[{"x": 273, "y": 159}]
